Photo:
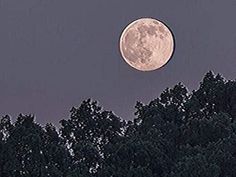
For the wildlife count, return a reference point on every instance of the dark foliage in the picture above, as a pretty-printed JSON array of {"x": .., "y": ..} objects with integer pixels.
[{"x": 179, "y": 134}]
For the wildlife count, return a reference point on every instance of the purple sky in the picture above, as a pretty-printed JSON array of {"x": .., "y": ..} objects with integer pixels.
[{"x": 56, "y": 53}]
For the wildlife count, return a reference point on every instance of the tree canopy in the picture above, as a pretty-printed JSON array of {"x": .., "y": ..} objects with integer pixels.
[{"x": 178, "y": 134}]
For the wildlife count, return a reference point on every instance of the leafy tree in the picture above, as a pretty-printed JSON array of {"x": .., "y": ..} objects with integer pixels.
[
  {"x": 179, "y": 134},
  {"x": 33, "y": 151},
  {"x": 5, "y": 128},
  {"x": 90, "y": 132}
]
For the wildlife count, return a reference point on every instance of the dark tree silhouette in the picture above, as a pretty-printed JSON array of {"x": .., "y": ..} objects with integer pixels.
[
  {"x": 90, "y": 133},
  {"x": 179, "y": 134}
]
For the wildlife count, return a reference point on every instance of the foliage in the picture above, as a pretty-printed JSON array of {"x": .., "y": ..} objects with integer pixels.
[{"x": 179, "y": 134}]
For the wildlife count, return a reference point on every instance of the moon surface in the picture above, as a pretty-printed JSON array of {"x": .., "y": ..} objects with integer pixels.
[{"x": 146, "y": 44}]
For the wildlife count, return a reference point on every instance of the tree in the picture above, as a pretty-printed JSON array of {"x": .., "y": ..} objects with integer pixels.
[
  {"x": 179, "y": 134},
  {"x": 90, "y": 132},
  {"x": 33, "y": 150}
]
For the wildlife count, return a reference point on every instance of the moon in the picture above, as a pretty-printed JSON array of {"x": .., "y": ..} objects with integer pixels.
[{"x": 147, "y": 44}]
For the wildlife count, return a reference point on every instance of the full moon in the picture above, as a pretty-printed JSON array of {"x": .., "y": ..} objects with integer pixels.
[{"x": 146, "y": 44}]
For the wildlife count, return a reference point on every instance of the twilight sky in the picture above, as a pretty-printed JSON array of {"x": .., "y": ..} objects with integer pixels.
[{"x": 56, "y": 53}]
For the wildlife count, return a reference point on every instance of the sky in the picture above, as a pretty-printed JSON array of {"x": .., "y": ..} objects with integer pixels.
[{"x": 54, "y": 54}]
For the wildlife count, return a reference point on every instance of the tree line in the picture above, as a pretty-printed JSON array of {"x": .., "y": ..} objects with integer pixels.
[{"x": 178, "y": 134}]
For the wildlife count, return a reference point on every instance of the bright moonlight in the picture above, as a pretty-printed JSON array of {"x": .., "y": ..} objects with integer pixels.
[{"x": 146, "y": 44}]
